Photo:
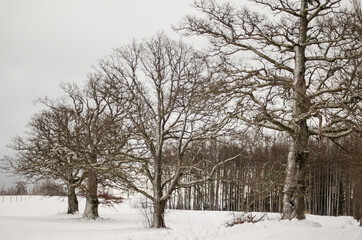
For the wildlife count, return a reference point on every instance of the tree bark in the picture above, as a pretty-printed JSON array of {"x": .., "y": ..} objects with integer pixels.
[
  {"x": 91, "y": 207},
  {"x": 295, "y": 188},
  {"x": 159, "y": 214},
  {"x": 357, "y": 199},
  {"x": 159, "y": 205},
  {"x": 72, "y": 200}
]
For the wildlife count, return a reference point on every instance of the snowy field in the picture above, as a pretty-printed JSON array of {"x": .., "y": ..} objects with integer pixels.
[{"x": 40, "y": 218}]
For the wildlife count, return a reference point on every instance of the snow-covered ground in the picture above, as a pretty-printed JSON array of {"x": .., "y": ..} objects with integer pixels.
[{"x": 42, "y": 218}]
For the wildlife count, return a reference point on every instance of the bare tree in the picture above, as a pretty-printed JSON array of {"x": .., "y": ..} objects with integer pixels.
[
  {"x": 164, "y": 87},
  {"x": 290, "y": 70},
  {"x": 48, "y": 151},
  {"x": 101, "y": 136},
  {"x": 73, "y": 140}
]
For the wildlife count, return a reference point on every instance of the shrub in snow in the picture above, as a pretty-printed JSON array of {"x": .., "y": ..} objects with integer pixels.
[
  {"x": 244, "y": 218},
  {"x": 109, "y": 200}
]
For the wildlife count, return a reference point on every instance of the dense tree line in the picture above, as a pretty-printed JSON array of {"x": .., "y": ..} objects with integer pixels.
[
  {"x": 256, "y": 183},
  {"x": 261, "y": 121},
  {"x": 43, "y": 188}
]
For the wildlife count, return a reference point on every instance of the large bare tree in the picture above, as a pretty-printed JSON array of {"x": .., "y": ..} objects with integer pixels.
[
  {"x": 291, "y": 69},
  {"x": 163, "y": 86},
  {"x": 101, "y": 135}
]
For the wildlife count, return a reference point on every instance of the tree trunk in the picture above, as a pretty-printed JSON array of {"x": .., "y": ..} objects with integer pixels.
[
  {"x": 72, "y": 200},
  {"x": 357, "y": 199},
  {"x": 159, "y": 214},
  {"x": 159, "y": 206},
  {"x": 295, "y": 188},
  {"x": 91, "y": 207}
]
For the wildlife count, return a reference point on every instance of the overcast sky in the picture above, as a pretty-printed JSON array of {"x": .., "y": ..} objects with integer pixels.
[{"x": 46, "y": 42}]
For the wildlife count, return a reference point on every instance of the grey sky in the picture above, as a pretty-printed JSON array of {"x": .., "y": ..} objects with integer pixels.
[{"x": 45, "y": 42}]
